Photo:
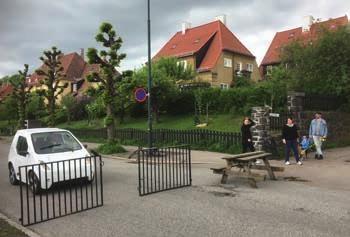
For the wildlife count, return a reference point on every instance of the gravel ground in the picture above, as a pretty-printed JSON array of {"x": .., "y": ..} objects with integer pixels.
[{"x": 277, "y": 208}]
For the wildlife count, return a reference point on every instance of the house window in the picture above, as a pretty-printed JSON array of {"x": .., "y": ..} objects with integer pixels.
[
  {"x": 183, "y": 62},
  {"x": 223, "y": 86},
  {"x": 227, "y": 62},
  {"x": 249, "y": 67},
  {"x": 238, "y": 66}
]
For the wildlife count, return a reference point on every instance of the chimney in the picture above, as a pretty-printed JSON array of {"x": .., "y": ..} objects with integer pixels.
[
  {"x": 307, "y": 22},
  {"x": 82, "y": 54},
  {"x": 221, "y": 18},
  {"x": 185, "y": 26}
]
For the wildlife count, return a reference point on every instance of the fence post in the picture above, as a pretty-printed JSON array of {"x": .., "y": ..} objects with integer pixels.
[{"x": 260, "y": 115}]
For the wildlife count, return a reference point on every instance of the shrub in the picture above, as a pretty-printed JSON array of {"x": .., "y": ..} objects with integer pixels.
[{"x": 110, "y": 148}]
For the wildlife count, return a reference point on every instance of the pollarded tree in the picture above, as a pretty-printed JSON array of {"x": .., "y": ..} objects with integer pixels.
[
  {"x": 52, "y": 73},
  {"x": 108, "y": 59},
  {"x": 21, "y": 94}
]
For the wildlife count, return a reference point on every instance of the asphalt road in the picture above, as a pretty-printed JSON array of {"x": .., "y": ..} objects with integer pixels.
[{"x": 277, "y": 208}]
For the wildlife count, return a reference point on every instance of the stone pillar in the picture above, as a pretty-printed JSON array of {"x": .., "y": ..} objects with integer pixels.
[
  {"x": 260, "y": 132},
  {"x": 295, "y": 101}
]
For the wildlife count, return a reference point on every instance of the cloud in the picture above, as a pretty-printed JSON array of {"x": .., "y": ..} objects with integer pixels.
[{"x": 29, "y": 27}]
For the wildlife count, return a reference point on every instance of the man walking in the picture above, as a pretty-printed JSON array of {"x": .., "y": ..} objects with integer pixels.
[{"x": 318, "y": 131}]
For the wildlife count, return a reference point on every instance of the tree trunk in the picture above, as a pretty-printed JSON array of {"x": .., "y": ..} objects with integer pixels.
[
  {"x": 111, "y": 124},
  {"x": 21, "y": 114},
  {"x": 51, "y": 101}
]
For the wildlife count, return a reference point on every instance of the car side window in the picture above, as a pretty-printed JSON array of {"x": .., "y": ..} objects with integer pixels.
[{"x": 22, "y": 145}]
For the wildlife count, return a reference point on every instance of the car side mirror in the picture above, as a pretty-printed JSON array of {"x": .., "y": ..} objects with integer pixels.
[
  {"x": 23, "y": 153},
  {"x": 85, "y": 145}
]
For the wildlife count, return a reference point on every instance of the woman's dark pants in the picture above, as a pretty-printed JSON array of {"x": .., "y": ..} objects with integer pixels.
[
  {"x": 292, "y": 144},
  {"x": 247, "y": 146}
]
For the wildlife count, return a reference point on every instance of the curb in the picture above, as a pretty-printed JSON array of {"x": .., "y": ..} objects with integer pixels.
[{"x": 25, "y": 230}]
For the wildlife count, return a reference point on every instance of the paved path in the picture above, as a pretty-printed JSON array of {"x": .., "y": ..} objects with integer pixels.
[{"x": 277, "y": 208}]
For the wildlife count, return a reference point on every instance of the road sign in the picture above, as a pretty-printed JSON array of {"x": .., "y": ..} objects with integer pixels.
[{"x": 140, "y": 94}]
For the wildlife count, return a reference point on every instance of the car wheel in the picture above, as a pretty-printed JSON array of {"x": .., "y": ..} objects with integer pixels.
[
  {"x": 34, "y": 183},
  {"x": 12, "y": 175}
]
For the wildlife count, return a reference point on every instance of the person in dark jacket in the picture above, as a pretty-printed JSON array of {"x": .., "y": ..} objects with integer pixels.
[
  {"x": 290, "y": 139},
  {"x": 247, "y": 140}
]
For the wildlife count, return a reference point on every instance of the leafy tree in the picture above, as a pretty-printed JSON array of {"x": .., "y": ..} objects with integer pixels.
[
  {"x": 166, "y": 74},
  {"x": 96, "y": 109},
  {"x": 68, "y": 103},
  {"x": 321, "y": 66},
  {"x": 241, "y": 81},
  {"x": 8, "y": 109},
  {"x": 276, "y": 87},
  {"x": 35, "y": 107},
  {"x": 108, "y": 59},
  {"x": 21, "y": 94},
  {"x": 125, "y": 96},
  {"x": 52, "y": 73}
]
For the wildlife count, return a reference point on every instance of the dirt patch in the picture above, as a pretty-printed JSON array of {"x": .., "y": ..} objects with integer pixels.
[
  {"x": 223, "y": 194},
  {"x": 295, "y": 179},
  {"x": 301, "y": 209},
  {"x": 218, "y": 191}
]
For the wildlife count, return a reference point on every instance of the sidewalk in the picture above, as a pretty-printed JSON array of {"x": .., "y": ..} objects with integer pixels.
[
  {"x": 332, "y": 172},
  {"x": 198, "y": 157}
]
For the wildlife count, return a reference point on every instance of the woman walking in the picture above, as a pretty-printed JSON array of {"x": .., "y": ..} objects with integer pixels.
[
  {"x": 289, "y": 138},
  {"x": 247, "y": 140}
]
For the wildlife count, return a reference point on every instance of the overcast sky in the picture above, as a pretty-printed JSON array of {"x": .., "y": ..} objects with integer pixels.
[{"x": 27, "y": 27}]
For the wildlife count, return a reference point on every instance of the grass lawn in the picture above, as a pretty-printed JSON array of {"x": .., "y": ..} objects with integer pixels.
[
  {"x": 219, "y": 122},
  {"x": 7, "y": 230}
]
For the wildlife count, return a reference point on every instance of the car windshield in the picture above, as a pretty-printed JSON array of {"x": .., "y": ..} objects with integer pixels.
[{"x": 54, "y": 142}]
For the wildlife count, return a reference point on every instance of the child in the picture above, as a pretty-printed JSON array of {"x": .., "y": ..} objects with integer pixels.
[{"x": 304, "y": 146}]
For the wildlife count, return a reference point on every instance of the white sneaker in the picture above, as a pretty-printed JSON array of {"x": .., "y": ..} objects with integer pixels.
[
  {"x": 287, "y": 163},
  {"x": 299, "y": 163}
]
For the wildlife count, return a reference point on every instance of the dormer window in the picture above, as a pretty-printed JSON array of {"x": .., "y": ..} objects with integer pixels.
[{"x": 291, "y": 35}]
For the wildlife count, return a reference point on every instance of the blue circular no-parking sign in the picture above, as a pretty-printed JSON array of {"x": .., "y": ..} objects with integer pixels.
[{"x": 140, "y": 94}]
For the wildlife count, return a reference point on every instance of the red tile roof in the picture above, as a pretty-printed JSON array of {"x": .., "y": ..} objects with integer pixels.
[
  {"x": 74, "y": 67},
  {"x": 284, "y": 37},
  {"x": 5, "y": 90},
  {"x": 181, "y": 45}
]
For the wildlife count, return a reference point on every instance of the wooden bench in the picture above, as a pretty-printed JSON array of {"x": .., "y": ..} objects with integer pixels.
[{"x": 245, "y": 163}]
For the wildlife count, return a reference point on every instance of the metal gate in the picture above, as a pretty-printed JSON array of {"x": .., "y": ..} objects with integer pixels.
[
  {"x": 161, "y": 169},
  {"x": 60, "y": 188}
]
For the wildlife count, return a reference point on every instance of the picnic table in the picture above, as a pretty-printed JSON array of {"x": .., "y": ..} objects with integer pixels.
[{"x": 245, "y": 163}]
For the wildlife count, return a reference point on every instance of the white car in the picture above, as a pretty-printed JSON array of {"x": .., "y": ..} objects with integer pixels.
[{"x": 47, "y": 156}]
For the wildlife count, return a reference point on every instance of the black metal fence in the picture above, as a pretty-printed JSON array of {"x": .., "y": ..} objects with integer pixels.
[
  {"x": 276, "y": 123},
  {"x": 55, "y": 189},
  {"x": 8, "y": 131},
  {"x": 167, "y": 136},
  {"x": 161, "y": 169}
]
